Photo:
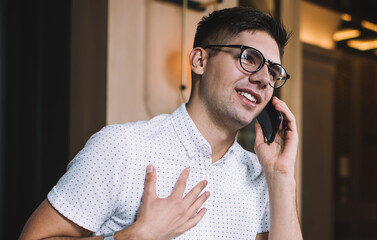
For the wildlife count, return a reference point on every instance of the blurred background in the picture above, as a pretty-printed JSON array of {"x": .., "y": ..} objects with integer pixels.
[{"x": 68, "y": 68}]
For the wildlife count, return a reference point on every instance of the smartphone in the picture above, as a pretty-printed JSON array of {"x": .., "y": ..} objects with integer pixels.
[{"x": 270, "y": 120}]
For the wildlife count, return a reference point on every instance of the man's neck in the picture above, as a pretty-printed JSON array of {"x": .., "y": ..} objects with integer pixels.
[{"x": 219, "y": 137}]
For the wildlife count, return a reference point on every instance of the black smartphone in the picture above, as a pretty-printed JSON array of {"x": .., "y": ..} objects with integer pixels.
[{"x": 270, "y": 120}]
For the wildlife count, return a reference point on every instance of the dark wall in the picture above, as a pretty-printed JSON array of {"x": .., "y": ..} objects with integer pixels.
[
  {"x": 35, "y": 50},
  {"x": 52, "y": 96},
  {"x": 2, "y": 104}
]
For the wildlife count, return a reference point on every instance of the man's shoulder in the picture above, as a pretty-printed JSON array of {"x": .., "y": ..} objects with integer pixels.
[
  {"x": 142, "y": 126},
  {"x": 122, "y": 138},
  {"x": 137, "y": 134},
  {"x": 248, "y": 158}
]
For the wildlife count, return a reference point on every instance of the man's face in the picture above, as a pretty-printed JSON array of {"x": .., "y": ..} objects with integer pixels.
[{"x": 232, "y": 95}]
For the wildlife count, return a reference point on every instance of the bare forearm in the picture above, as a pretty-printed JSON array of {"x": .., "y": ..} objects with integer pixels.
[
  {"x": 74, "y": 238},
  {"x": 124, "y": 235},
  {"x": 130, "y": 233},
  {"x": 283, "y": 209}
]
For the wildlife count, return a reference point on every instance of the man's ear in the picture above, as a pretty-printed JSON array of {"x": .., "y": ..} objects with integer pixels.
[{"x": 198, "y": 59}]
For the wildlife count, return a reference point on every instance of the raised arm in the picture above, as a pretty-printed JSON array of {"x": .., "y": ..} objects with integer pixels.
[
  {"x": 278, "y": 160},
  {"x": 157, "y": 218}
]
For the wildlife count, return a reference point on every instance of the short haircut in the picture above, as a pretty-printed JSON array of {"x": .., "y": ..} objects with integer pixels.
[{"x": 221, "y": 26}]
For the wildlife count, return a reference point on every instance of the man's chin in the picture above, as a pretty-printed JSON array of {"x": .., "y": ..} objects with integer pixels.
[{"x": 243, "y": 122}]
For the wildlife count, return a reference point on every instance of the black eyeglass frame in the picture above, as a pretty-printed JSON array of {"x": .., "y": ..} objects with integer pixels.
[{"x": 269, "y": 65}]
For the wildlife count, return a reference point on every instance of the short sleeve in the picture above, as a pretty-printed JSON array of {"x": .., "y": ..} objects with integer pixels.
[
  {"x": 265, "y": 221},
  {"x": 87, "y": 193}
]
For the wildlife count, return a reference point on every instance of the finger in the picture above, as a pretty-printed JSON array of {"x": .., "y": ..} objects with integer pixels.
[
  {"x": 192, "y": 222},
  {"x": 194, "y": 193},
  {"x": 289, "y": 120},
  {"x": 180, "y": 186},
  {"x": 259, "y": 136},
  {"x": 282, "y": 107},
  {"x": 289, "y": 132},
  {"x": 197, "y": 204},
  {"x": 150, "y": 182}
]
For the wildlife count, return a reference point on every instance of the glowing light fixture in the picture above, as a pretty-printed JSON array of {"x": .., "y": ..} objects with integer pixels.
[
  {"x": 369, "y": 25},
  {"x": 363, "y": 45},
  {"x": 346, "y": 34},
  {"x": 346, "y": 17}
]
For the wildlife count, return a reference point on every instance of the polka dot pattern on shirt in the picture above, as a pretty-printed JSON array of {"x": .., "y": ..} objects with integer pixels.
[{"x": 102, "y": 188}]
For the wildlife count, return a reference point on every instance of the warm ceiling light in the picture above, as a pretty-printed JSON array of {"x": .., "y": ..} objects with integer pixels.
[
  {"x": 346, "y": 17},
  {"x": 363, "y": 45},
  {"x": 346, "y": 34},
  {"x": 369, "y": 25}
]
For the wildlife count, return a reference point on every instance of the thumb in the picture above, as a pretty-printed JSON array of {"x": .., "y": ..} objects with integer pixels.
[
  {"x": 259, "y": 136},
  {"x": 150, "y": 182}
]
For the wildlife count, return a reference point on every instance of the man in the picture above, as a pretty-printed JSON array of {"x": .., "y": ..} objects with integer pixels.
[{"x": 183, "y": 175}]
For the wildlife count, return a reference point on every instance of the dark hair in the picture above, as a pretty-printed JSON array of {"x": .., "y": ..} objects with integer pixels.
[{"x": 220, "y": 26}]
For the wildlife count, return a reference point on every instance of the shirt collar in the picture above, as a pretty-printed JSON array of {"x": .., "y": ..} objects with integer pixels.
[{"x": 190, "y": 136}]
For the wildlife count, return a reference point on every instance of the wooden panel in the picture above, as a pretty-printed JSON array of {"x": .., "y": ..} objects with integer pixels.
[
  {"x": 355, "y": 148},
  {"x": 318, "y": 86}
]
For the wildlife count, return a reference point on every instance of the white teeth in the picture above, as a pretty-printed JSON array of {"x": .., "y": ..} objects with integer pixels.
[{"x": 250, "y": 97}]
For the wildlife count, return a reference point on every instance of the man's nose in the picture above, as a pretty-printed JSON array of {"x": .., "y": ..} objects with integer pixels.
[{"x": 262, "y": 77}]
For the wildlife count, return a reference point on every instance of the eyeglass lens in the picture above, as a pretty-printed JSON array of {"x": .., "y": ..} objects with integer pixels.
[{"x": 253, "y": 61}]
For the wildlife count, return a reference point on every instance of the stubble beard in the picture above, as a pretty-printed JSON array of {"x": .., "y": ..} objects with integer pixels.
[{"x": 225, "y": 116}]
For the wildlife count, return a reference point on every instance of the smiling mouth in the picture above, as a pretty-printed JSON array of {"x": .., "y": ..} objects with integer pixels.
[{"x": 248, "y": 96}]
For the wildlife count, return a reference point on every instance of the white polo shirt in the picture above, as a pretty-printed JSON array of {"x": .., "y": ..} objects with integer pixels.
[{"x": 102, "y": 188}]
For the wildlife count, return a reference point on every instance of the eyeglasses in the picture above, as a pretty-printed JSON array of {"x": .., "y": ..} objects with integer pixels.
[{"x": 252, "y": 60}]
